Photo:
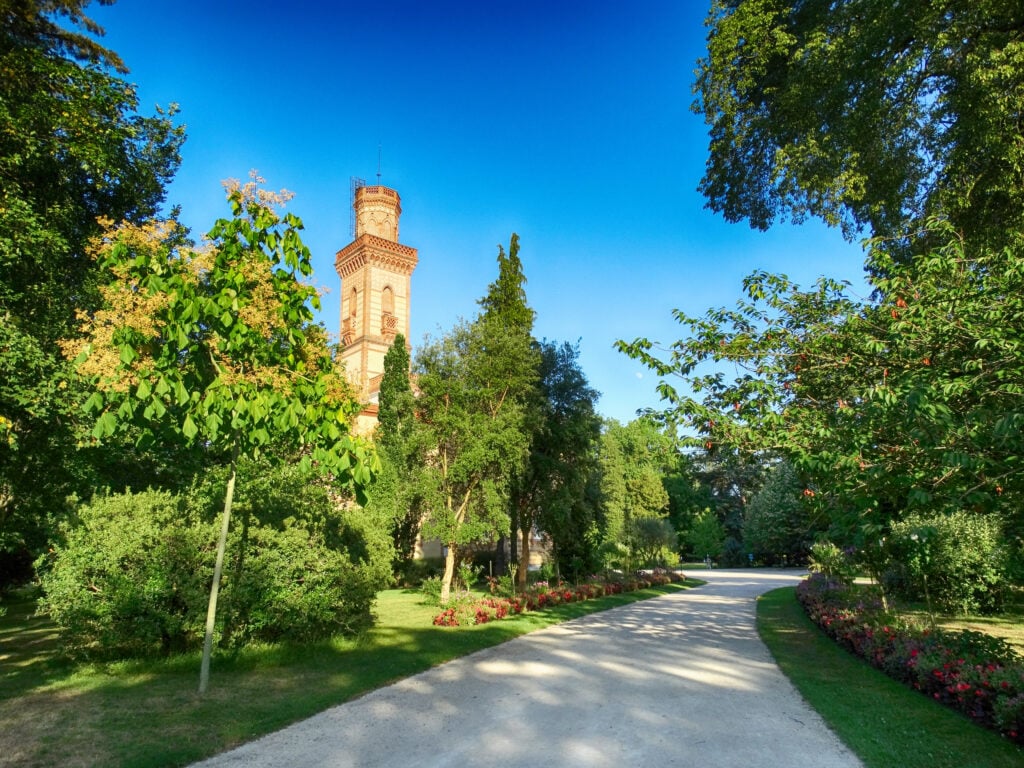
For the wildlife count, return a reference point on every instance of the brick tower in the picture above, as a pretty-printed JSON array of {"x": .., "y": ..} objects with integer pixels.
[{"x": 375, "y": 272}]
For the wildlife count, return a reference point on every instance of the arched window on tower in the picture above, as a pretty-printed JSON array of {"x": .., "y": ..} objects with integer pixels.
[
  {"x": 388, "y": 321},
  {"x": 348, "y": 322}
]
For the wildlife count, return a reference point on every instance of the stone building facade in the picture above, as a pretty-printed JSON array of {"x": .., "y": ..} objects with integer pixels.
[{"x": 376, "y": 278}]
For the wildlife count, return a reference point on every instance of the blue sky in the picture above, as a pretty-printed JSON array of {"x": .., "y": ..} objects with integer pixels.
[{"x": 566, "y": 122}]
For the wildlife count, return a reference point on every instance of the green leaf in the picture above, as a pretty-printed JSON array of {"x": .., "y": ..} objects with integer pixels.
[
  {"x": 94, "y": 403},
  {"x": 189, "y": 428},
  {"x": 106, "y": 425},
  {"x": 180, "y": 393}
]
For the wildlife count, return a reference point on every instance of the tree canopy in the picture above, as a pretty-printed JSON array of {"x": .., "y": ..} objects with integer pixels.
[
  {"x": 908, "y": 400},
  {"x": 403, "y": 446},
  {"x": 73, "y": 150},
  {"x": 215, "y": 347},
  {"x": 476, "y": 404},
  {"x": 866, "y": 113},
  {"x": 550, "y": 492}
]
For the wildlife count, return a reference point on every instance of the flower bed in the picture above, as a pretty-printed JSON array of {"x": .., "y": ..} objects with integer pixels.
[
  {"x": 544, "y": 595},
  {"x": 976, "y": 674}
]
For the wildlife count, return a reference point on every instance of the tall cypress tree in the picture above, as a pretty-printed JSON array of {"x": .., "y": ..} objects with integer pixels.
[
  {"x": 395, "y": 494},
  {"x": 506, "y": 297},
  {"x": 510, "y": 318},
  {"x": 395, "y": 415}
]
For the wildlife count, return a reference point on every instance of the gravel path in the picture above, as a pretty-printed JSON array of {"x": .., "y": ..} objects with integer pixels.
[{"x": 679, "y": 680}]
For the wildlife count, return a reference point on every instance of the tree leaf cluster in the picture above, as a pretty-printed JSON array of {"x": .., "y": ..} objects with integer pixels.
[
  {"x": 74, "y": 149},
  {"x": 216, "y": 346},
  {"x": 908, "y": 400},
  {"x": 868, "y": 114}
]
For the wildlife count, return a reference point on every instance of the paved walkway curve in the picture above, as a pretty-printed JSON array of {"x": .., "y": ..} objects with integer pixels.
[{"x": 679, "y": 680}]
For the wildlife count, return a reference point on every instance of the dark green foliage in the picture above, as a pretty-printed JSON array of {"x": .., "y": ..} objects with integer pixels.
[
  {"x": 471, "y": 408},
  {"x": 957, "y": 561},
  {"x": 396, "y": 496},
  {"x": 706, "y": 537},
  {"x": 867, "y": 113},
  {"x": 396, "y": 415},
  {"x": 778, "y": 526},
  {"x": 72, "y": 149},
  {"x": 652, "y": 539},
  {"x": 130, "y": 579},
  {"x": 506, "y": 296},
  {"x": 906, "y": 401},
  {"x": 133, "y": 574},
  {"x": 504, "y": 309},
  {"x": 281, "y": 495},
  {"x": 297, "y": 588},
  {"x": 551, "y": 493},
  {"x": 634, "y": 457},
  {"x": 477, "y": 408},
  {"x": 296, "y": 553},
  {"x": 726, "y": 481}
]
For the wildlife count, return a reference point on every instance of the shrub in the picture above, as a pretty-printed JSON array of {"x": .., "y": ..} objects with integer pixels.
[
  {"x": 979, "y": 675},
  {"x": 294, "y": 587},
  {"x": 411, "y": 573},
  {"x": 430, "y": 588},
  {"x": 829, "y": 560},
  {"x": 957, "y": 561},
  {"x": 133, "y": 573},
  {"x": 652, "y": 539},
  {"x": 131, "y": 578},
  {"x": 308, "y": 568}
]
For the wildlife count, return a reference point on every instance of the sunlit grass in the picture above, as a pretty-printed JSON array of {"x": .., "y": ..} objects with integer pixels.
[
  {"x": 147, "y": 713},
  {"x": 884, "y": 722}
]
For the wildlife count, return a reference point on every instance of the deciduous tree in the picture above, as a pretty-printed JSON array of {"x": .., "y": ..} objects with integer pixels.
[
  {"x": 550, "y": 493},
  {"x": 215, "y": 347},
  {"x": 908, "y": 400},
  {"x": 634, "y": 458},
  {"x": 476, "y": 434},
  {"x": 867, "y": 113},
  {"x": 73, "y": 149}
]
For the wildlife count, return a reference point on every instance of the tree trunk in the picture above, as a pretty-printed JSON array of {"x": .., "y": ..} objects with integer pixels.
[
  {"x": 449, "y": 574},
  {"x": 513, "y": 541},
  {"x": 211, "y": 611},
  {"x": 524, "y": 559},
  {"x": 501, "y": 559},
  {"x": 233, "y": 617}
]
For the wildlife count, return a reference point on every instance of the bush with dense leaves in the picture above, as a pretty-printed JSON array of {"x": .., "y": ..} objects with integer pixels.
[
  {"x": 829, "y": 560},
  {"x": 132, "y": 575},
  {"x": 958, "y": 561},
  {"x": 293, "y": 587},
  {"x": 979, "y": 675}
]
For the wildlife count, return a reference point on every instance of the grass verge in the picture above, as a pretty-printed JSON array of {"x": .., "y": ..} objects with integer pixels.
[
  {"x": 147, "y": 714},
  {"x": 882, "y": 721}
]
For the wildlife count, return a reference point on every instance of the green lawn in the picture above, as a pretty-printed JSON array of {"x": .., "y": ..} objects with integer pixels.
[
  {"x": 149, "y": 714},
  {"x": 884, "y": 722}
]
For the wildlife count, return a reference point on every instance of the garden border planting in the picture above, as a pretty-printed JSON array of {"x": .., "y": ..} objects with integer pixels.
[{"x": 976, "y": 674}]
